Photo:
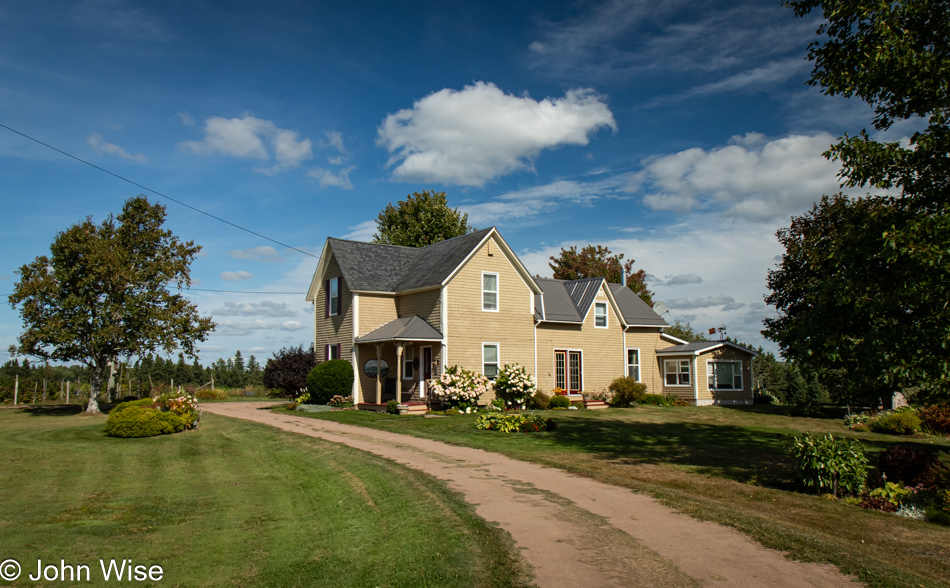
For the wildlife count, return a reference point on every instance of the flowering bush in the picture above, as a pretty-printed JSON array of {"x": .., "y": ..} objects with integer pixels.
[
  {"x": 459, "y": 388},
  {"x": 515, "y": 386},
  {"x": 182, "y": 404},
  {"x": 341, "y": 401}
]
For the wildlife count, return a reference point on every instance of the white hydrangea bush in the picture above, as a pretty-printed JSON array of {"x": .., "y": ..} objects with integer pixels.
[
  {"x": 459, "y": 388},
  {"x": 515, "y": 386}
]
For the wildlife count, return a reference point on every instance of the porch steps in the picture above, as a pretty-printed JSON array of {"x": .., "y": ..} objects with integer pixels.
[
  {"x": 416, "y": 407},
  {"x": 595, "y": 404}
]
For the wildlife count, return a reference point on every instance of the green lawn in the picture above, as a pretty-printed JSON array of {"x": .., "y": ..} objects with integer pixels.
[
  {"x": 234, "y": 504},
  {"x": 721, "y": 464}
]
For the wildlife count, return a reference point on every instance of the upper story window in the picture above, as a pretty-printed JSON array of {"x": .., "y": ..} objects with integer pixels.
[
  {"x": 724, "y": 375},
  {"x": 600, "y": 315},
  {"x": 677, "y": 372},
  {"x": 489, "y": 291},
  {"x": 333, "y": 296}
]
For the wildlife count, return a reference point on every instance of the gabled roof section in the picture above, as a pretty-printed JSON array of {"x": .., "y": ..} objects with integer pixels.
[
  {"x": 558, "y": 306},
  {"x": 583, "y": 292},
  {"x": 372, "y": 267},
  {"x": 434, "y": 263},
  {"x": 407, "y": 328},
  {"x": 636, "y": 312},
  {"x": 699, "y": 347}
]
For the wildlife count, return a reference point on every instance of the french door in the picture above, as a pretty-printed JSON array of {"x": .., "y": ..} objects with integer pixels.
[{"x": 568, "y": 366}]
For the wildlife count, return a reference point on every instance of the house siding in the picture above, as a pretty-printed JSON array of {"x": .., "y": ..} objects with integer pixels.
[
  {"x": 603, "y": 354},
  {"x": 335, "y": 329},
  {"x": 512, "y": 326},
  {"x": 648, "y": 341},
  {"x": 376, "y": 310},
  {"x": 427, "y": 304}
]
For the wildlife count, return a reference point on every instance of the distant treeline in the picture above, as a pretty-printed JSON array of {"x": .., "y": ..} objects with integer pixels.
[{"x": 147, "y": 373}]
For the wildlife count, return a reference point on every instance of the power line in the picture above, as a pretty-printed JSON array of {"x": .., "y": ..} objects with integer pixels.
[
  {"x": 147, "y": 189},
  {"x": 240, "y": 291}
]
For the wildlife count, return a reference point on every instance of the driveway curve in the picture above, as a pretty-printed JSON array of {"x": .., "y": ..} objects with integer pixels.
[{"x": 573, "y": 531}]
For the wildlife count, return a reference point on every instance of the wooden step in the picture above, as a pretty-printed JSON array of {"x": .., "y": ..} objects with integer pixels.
[{"x": 595, "y": 404}]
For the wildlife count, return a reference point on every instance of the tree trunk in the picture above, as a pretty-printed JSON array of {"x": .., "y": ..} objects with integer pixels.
[{"x": 94, "y": 383}]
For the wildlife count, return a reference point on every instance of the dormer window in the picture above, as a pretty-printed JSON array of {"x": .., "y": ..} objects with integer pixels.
[{"x": 490, "y": 291}]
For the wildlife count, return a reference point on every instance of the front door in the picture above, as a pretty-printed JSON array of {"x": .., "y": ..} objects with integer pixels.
[
  {"x": 567, "y": 371},
  {"x": 426, "y": 363}
]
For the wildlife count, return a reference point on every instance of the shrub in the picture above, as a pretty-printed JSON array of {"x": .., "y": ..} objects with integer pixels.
[
  {"x": 936, "y": 418},
  {"x": 626, "y": 391},
  {"x": 329, "y": 379},
  {"x": 147, "y": 402},
  {"x": 183, "y": 405},
  {"x": 878, "y": 503},
  {"x": 341, "y": 401},
  {"x": 510, "y": 423},
  {"x": 459, "y": 388},
  {"x": 287, "y": 371},
  {"x": 897, "y": 423},
  {"x": 392, "y": 407},
  {"x": 141, "y": 421},
  {"x": 559, "y": 402},
  {"x": 827, "y": 464},
  {"x": 905, "y": 464},
  {"x": 496, "y": 405},
  {"x": 891, "y": 492},
  {"x": 539, "y": 401},
  {"x": 514, "y": 385},
  {"x": 657, "y": 399},
  {"x": 209, "y": 394}
]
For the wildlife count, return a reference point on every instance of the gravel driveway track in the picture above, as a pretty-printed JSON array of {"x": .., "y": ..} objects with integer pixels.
[{"x": 573, "y": 531}]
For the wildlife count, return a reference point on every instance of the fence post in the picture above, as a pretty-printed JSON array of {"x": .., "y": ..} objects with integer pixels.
[{"x": 16, "y": 388}]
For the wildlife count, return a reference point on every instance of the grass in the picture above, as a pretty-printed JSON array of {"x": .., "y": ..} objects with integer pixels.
[
  {"x": 233, "y": 504},
  {"x": 726, "y": 465}
]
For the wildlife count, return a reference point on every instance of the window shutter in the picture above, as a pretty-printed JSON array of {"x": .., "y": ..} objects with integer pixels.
[
  {"x": 326, "y": 304},
  {"x": 339, "y": 351},
  {"x": 326, "y": 353}
]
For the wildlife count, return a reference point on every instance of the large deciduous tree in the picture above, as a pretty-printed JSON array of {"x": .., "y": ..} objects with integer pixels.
[
  {"x": 423, "y": 218},
  {"x": 104, "y": 293},
  {"x": 597, "y": 261},
  {"x": 862, "y": 289}
]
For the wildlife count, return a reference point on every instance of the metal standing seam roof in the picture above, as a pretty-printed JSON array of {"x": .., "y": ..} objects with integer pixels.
[
  {"x": 558, "y": 306},
  {"x": 634, "y": 310},
  {"x": 583, "y": 292},
  {"x": 372, "y": 267},
  {"x": 407, "y": 328}
]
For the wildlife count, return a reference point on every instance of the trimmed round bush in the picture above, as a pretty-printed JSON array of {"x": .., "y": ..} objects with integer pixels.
[
  {"x": 329, "y": 379},
  {"x": 560, "y": 401},
  {"x": 141, "y": 421},
  {"x": 146, "y": 402}
]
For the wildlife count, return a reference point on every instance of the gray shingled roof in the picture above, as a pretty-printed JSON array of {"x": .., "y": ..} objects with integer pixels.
[
  {"x": 407, "y": 328},
  {"x": 634, "y": 310},
  {"x": 371, "y": 267}
]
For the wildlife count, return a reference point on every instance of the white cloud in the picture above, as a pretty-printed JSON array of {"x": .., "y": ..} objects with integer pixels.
[
  {"x": 236, "y": 276},
  {"x": 263, "y": 308},
  {"x": 683, "y": 279},
  {"x": 335, "y": 140},
  {"x": 362, "y": 232},
  {"x": 694, "y": 302},
  {"x": 249, "y": 138},
  {"x": 186, "y": 119},
  {"x": 748, "y": 179},
  {"x": 230, "y": 327},
  {"x": 756, "y": 79},
  {"x": 264, "y": 253},
  {"x": 99, "y": 146},
  {"x": 327, "y": 178},
  {"x": 474, "y": 135}
]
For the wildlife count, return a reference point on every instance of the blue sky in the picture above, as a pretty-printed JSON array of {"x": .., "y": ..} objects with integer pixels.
[{"x": 680, "y": 133}]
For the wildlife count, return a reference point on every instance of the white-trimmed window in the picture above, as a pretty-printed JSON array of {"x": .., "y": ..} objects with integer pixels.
[
  {"x": 407, "y": 363},
  {"x": 633, "y": 363},
  {"x": 600, "y": 315},
  {"x": 724, "y": 375},
  {"x": 333, "y": 296},
  {"x": 490, "y": 291},
  {"x": 676, "y": 371},
  {"x": 490, "y": 360},
  {"x": 333, "y": 352}
]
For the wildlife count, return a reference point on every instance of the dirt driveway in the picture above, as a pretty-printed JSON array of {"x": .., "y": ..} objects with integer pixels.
[{"x": 573, "y": 531}]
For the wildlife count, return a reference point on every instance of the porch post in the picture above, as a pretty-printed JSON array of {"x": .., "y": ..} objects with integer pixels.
[
  {"x": 399, "y": 347},
  {"x": 379, "y": 386}
]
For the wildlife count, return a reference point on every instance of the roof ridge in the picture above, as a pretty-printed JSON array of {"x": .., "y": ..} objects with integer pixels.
[{"x": 375, "y": 244}]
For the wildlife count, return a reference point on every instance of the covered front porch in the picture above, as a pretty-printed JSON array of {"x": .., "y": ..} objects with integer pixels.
[{"x": 396, "y": 362}]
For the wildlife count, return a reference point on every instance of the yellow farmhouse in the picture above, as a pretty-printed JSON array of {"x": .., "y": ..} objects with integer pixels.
[{"x": 400, "y": 315}]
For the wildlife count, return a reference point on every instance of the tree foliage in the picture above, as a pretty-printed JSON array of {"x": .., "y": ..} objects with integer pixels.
[
  {"x": 597, "y": 261},
  {"x": 289, "y": 368},
  {"x": 862, "y": 289},
  {"x": 684, "y": 332},
  {"x": 423, "y": 218},
  {"x": 103, "y": 293}
]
